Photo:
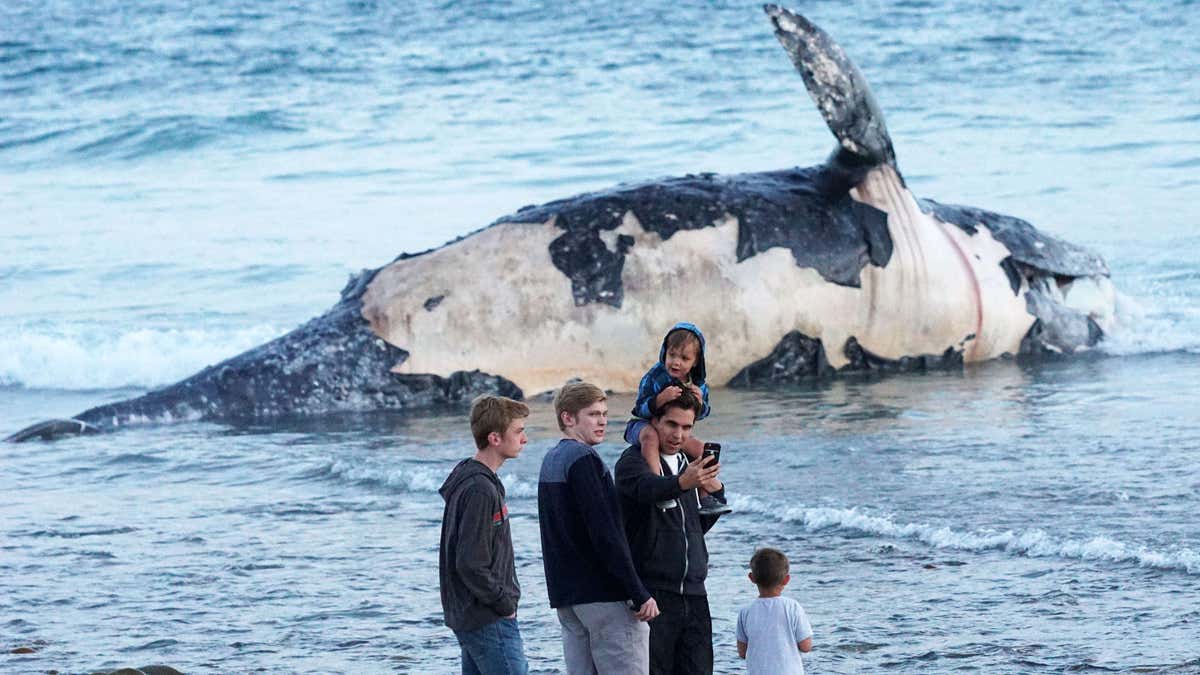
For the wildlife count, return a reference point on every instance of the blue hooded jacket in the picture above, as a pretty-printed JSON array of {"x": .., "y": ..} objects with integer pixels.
[{"x": 657, "y": 378}]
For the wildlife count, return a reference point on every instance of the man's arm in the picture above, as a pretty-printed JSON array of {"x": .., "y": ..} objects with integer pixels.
[
  {"x": 595, "y": 499},
  {"x": 473, "y": 551},
  {"x": 636, "y": 481}
]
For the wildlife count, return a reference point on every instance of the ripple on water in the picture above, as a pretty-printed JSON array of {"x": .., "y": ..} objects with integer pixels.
[
  {"x": 154, "y": 645},
  {"x": 135, "y": 458},
  {"x": 74, "y": 534}
]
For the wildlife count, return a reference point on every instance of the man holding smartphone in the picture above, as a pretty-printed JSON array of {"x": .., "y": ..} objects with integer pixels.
[{"x": 666, "y": 538}]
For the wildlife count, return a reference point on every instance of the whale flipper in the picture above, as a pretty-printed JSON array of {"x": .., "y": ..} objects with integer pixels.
[
  {"x": 836, "y": 86},
  {"x": 53, "y": 429}
]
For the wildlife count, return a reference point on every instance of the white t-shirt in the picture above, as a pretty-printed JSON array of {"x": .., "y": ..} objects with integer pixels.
[
  {"x": 674, "y": 462},
  {"x": 674, "y": 467},
  {"x": 771, "y": 627}
]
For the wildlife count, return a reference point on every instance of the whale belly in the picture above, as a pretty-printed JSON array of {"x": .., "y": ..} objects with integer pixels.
[{"x": 942, "y": 289}]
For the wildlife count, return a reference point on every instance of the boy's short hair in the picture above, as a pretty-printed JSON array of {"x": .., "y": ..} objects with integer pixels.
[
  {"x": 575, "y": 396},
  {"x": 494, "y": 413},
  {"x": 769, "y": 566},
  {"x": 686, "y": 401},
  {"x": 680, "y": 337}
]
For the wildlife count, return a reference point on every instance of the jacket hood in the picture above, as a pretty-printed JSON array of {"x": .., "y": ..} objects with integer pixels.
[
  {"x": 698, "y": 371},
  {"x": 465, "y": 471}
]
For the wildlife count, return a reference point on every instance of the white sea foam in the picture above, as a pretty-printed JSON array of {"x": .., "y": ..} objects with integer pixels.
[
  {"x": 425, "y": 479},
  {"x": 77, "y": 359},
  {"x": 1153, "y": 325},
  {"x": 1029, "y": 542},
  {"x": 405, "y": 479},
  {"x": 516, "y": 486}
]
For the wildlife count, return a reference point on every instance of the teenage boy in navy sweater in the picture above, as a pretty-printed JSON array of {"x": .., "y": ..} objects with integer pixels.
[{"x": 602, "y": 605}]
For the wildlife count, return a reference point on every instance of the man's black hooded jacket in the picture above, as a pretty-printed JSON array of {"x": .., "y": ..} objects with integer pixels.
[{"x": 663, "y": 526}]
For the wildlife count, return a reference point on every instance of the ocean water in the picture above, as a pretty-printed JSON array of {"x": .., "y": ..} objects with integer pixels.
[{"x": 182, "y": 181}]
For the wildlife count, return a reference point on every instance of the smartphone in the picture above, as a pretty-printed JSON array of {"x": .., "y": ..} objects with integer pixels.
[{"x": 713, "y": 450}]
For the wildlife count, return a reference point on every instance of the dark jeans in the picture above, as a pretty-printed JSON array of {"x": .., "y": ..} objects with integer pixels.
[
  {"x": 495, "y": 649},
  {"x": 681, "y": 636}
]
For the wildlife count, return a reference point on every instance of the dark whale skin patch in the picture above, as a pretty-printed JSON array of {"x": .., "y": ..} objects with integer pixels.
[{"x": 796, "y": 209}]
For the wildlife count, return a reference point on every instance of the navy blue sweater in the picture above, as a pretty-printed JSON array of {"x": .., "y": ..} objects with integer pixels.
[{"x": 584, "y": 550}]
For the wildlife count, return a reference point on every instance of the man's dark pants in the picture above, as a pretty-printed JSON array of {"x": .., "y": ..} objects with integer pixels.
[{"x": 681, "y": 637}]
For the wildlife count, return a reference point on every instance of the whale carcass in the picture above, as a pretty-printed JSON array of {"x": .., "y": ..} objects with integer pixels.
[{"x": 791, "y": 273}]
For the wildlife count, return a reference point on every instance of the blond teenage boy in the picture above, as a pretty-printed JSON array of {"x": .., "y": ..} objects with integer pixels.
[{"x": 602, "y": 605}]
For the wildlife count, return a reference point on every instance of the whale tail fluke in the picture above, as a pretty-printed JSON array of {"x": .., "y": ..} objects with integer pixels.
[
  {"x": 838, "y": 88},
  {"x": 52, "y": 430}
]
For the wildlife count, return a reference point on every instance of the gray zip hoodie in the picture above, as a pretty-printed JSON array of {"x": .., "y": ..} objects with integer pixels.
[{"x": 475, "y": 562}]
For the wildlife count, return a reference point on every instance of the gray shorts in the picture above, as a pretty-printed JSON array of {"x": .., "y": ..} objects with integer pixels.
[{"x": 604, "y": 637}]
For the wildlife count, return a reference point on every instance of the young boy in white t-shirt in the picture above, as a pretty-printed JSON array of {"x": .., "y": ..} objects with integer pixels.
[{"x": 772, "y": 630}]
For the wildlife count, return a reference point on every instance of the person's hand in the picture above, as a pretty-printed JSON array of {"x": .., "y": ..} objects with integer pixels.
[
  {"x": 696, "y": 390},
  {"x": 713, "y": 485},
  {"x": 647, "y": 611},
  {"x": 699, "y": 472},
  {"x": 666, "y": 395}
]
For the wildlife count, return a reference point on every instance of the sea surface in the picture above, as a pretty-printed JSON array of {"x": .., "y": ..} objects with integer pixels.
[{"x": 180, "y": 181}]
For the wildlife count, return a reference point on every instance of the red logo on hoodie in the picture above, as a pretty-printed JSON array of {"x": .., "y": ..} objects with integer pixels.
[{"x": 499, "y": 516}]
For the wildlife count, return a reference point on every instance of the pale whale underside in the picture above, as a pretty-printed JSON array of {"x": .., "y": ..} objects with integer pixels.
[{"x": 790, "y": 273}]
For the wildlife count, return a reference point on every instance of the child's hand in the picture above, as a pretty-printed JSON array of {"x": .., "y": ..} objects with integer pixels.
[
  {"x": 668, "y": 394},
  {"x": 699, "y": 394}
]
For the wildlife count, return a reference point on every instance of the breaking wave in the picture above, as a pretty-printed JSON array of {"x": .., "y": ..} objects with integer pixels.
[
  {"x": 77, "y": 360},
  {"x": 425, "y": 479},
  {"x": 1153, "y": 326},
  {"x": 1029, "y": 542}
]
